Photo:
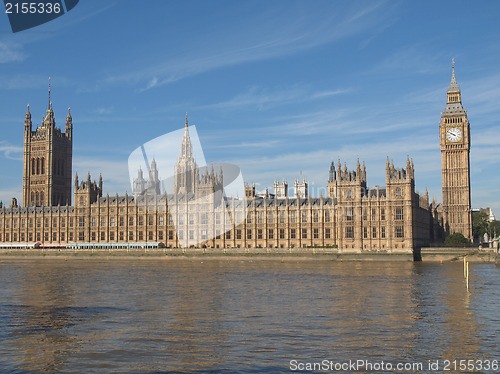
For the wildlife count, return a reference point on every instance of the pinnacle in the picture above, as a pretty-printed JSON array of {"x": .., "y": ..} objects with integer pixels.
[{"x": 453, "y": 84}]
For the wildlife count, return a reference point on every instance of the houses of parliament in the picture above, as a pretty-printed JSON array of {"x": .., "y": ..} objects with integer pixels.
[{"x": 352, "y": 218}]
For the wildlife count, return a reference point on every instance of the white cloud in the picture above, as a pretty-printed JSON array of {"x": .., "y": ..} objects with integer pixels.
[
  {"x": 256, "y": 41},
  {"x": 114, "y": 173},
  {"x": 11, "y": 151},
  {"x": 264, "y": 98},
  {"x": 105, "y": 110},
  {"x": 11, "y": 52},
  {"x": 8, "y": 193}
]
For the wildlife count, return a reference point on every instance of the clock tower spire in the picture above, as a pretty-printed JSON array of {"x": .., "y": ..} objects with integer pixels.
[{"x": 454, "y": 139}]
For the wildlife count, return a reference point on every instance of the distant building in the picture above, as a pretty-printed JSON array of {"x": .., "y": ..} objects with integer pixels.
[
  {"x": 300, "y": 188},
  {"x": 489, "y": 213},
  {"x": 281, "y": 189},
  {"x": 149, "y": 187}
]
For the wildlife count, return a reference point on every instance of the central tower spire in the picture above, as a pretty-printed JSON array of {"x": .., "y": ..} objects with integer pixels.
[{"x": 185, "y": 168}]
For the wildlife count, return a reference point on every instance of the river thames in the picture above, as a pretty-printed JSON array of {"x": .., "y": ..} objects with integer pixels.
[{"x": 210, "y": 316}]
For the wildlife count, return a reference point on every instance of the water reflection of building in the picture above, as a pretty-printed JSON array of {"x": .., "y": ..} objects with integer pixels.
[
  {"x": 460, "y": 325},
  {"x": 41, "y": 319}
]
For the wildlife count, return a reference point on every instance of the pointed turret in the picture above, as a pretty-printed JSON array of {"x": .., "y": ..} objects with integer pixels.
[
  {"x": 186, "y": 174},
  {"x": 100, "y": 184},
  {"x": 49, "y": 120},
  {"x": 453, "y": 95},
  {"x": 27, "y": 119},
  {"x": 69, "y": 124},
  {"x": 453, "y": 84},
  {"x": 186, "y": 148},
  {"x": 76, "y": 181},
  {"x": 332, "y": 175},
  {"x": 153, "y": 165}
]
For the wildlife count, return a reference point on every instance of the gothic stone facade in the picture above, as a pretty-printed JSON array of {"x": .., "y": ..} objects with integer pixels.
[
  {"x": 394, "y": 219},
  {"x": 454, "y": 139},
  {"x": 47, "y": 161},
  {"x": 351, "y": 218}
]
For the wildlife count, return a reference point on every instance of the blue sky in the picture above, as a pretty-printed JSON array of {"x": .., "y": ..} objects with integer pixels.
[{"x": 276, "y": 87}]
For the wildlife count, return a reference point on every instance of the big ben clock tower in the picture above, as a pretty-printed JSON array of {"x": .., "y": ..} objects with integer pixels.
[{"x": 454, "y": 138}]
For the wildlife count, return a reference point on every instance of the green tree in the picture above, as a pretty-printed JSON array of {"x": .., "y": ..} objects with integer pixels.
[
  {"x": 494, "y": 228},
  {"x": 479, "y": 224},
  {"x": 456, "y": 239}
]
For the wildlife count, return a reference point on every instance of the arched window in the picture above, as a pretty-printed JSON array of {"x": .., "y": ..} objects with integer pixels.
[
  {"x": 37, "y": 198},
  {"x": 33, "y": 167},
  {"x": 43, "y": 165},
  {"x": 37, "y": 166},
  {"x": 398, "y": 192},
  {"x": 348, "y": 194},
  {"x": 32, "y": 197},
  {"x": 42, "y": 198}
]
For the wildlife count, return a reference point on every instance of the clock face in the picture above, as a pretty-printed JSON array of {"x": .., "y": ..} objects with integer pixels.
[{"x": 454, "y": 134}]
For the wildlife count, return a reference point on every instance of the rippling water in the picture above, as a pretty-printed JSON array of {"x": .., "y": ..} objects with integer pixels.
[{"x": 240, "y": 316}]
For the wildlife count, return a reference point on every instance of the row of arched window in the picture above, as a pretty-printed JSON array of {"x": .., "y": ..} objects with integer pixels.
[
  {"x": 37, "y": 198},
  {"x": 38, "y": 165},
  {"x": 453, "y": 120}
]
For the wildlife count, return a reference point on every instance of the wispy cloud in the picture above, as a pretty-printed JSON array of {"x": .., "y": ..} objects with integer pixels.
[
  {"x": 11, "y": 52},
  {"x": 322, "y": 94},
  {"x": 114, "y": 172},
  {"x": 105, "y": 110},
  {"x": 255, "y": 42},
  {"x": 415, "y": 58},
  {"x": 27, "y": 81},
  {"x": 8, "y": 193},
  {"x": 261, "y": 144},
  {"x": 263, "y": 98},
  {"x": 11, "y": 151}
]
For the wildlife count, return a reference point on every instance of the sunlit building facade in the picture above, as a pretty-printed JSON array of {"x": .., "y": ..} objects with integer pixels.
[{"x": 351, "y": 218}]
